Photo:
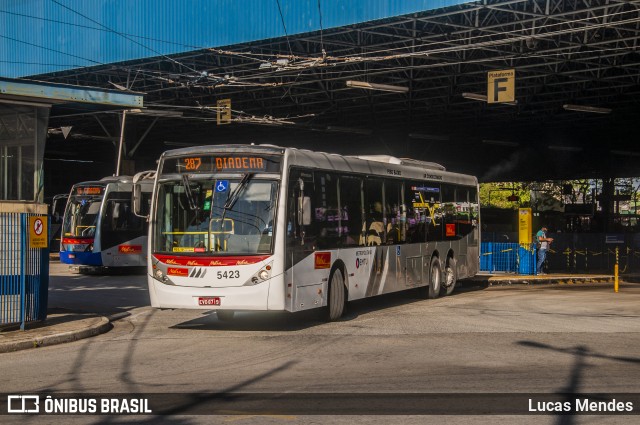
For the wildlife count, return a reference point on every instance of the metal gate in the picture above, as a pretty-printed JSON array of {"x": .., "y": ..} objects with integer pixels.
[
  {"x": 507, "y": 257},
  {"x": 24, "y": 273}
]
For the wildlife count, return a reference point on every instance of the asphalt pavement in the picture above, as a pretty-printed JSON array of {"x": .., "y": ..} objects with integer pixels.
[{"x": 517, "y": 339}]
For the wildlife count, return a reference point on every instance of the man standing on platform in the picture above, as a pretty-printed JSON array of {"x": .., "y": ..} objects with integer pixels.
[{"x": 543, "y": 246}]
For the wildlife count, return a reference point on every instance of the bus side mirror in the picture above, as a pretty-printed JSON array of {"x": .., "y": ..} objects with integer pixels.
[
  {"x": 140, "y": 204},
  {"x": 139, "y": 207},
  {"x": 304, "y": 208}
]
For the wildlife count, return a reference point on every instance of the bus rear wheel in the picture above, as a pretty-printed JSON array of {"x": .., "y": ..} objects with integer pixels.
[
  {"x": 450, "y": 277},
  {"x": 435, "y": 278},
  {"x": 225, "y": 315},
  {"x": 337, "y": 296}
]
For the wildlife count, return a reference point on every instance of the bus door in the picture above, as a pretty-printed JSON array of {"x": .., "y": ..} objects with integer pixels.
[{"x": 307, "y": 263}]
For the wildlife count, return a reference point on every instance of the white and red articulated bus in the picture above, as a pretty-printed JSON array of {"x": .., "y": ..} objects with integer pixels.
[{"x": 260, "y": 227}]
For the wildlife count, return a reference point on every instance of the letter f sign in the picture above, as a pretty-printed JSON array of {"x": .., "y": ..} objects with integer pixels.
[
  {"x": 501, "y": 86},
  {"x": 497, "y": 88}
]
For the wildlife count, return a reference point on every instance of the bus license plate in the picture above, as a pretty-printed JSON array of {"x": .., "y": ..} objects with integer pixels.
[{"x": 209, "y": 301}]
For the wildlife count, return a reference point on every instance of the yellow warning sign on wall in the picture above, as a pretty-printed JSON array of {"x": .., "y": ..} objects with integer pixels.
[
  {"x": 38, "y": 236},
  {"x": 501, "y": 86},
  {"x": 524, "y": 226}
]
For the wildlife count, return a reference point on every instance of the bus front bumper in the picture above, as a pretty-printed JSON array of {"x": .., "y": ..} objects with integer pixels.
[{"x": 231, "y": 298}]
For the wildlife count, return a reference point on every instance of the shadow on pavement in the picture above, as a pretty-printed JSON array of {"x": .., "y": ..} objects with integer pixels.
[{"x": 287, "y": 322}]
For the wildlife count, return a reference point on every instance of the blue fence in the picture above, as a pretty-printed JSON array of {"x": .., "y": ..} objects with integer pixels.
[
  {"x": 24, "y": 273},
  {"x": 507, "y": 257}
]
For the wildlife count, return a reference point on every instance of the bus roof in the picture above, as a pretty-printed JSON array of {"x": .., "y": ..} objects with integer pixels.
[{"x": 367, "y": 163}]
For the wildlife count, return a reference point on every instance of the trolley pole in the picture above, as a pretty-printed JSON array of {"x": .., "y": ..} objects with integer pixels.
[{"x": 615, "y": 273}]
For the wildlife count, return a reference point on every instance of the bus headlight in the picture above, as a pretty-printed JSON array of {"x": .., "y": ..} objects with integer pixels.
[
  {"x": 159, "y": 275},
  {"x": 262, "y": 275}
]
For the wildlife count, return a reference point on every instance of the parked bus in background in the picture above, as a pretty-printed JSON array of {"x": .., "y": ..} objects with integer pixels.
[
  {"x": 244, "y": 227},
  {"x": 99, "y": 229},
  {"x": 58, "y": 204}
]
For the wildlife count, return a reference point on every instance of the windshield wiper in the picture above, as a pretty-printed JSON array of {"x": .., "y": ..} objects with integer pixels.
[
  {"x": 189, "y": 193},
  {"x": 233, "y": 196}
]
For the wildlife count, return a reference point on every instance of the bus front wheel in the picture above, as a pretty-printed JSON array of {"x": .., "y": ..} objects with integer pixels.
[{"x": 337, "y": 296}]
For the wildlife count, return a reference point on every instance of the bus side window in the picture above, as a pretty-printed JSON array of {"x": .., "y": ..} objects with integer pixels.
[
  {"x": 325, "y": 210},
  {"x": 300, "y": 193},
  {"x": 374, "y": 226},
  {"x": 449, "y": 211},
  {"x": 463, "y": 219},
  {"x": 418, "y": 214},
  {"x": 394, "y": 212},
  {"x": 351, "y": 211}
]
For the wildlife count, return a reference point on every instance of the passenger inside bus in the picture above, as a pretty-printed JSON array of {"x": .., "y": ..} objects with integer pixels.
[{"x": 375, "y": 227}]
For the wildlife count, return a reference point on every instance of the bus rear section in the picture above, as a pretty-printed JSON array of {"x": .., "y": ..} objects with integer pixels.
[{"x": 99, "y": 229}]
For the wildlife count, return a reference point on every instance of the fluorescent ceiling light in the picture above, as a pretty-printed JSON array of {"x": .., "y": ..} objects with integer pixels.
[
  {"x": 483, "y": 98},
  {"x": 428, "y": 137},
  {"x": 565, "y": 148},
  {"x": 501, "y": 143},
  {"x": 581, "y": 108},
  {"x": 374, "y": 86},
  {"x": 475, "y": 96},
  {"x": 337, "y": 129},
  {"x": 625, "y": 153},
  {"x": 155, "y": 112}
]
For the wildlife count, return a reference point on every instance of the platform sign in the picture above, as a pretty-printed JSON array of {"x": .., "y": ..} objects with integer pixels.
[
  {"x": 224, "y": 111},
  {"x": 524, "y": 226},
  {"x": 38, "y": 232},
  {"x": 501, "y": 86}
]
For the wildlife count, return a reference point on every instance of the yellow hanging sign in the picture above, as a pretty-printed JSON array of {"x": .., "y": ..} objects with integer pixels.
[
  {"x": 501, "y": 86},
  {"x": 224, "y": 111}
]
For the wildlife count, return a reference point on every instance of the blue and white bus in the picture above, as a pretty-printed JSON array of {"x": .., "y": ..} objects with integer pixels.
[{"x": 99, "y": 229}]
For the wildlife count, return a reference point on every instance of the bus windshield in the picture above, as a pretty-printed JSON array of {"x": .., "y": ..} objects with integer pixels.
[
  {"x": 81, "y": 216},
  {"x": 220, "y": 216}
]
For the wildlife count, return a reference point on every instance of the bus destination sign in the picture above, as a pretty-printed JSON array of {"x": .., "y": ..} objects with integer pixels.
[
  {"x": 89, "y": 190},
  {"x": 231, "y": 163}
]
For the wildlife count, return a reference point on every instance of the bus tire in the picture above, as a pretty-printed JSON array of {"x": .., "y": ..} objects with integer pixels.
[
  {"x": 337, "y": 297},
  {"x": 225, "y": 315},
  {"x": 450, "y": 277},
  {"x": 435, "y": 278}
]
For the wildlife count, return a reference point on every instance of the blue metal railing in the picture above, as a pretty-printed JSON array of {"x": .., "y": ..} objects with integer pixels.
[
  {"x": 507, "y": 257},
  {"x": 24, "y": 273}
]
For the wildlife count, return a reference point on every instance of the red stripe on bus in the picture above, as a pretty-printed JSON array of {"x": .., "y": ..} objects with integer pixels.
[
  {"x": 210, "y": 261},
  {"x": 77, "y": 241}
]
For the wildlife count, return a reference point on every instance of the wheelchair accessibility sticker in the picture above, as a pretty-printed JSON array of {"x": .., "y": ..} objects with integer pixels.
[{"x": 222, "y": 185}]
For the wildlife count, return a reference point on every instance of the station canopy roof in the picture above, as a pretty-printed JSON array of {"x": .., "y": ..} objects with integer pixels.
[{"x": 577, "y": 72}]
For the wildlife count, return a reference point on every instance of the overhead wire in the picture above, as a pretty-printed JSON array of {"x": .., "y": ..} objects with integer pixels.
[
  {"x": 353, "y": 59},
  {"x": 284, "y": 26},
  {"x": 456, "y": 49},
  {"x": 191, "y": 46},
  {"x": 515, "y": 31},
  {"x": 125, "y": 36},
  {"x": 350, "y": 58},
  {"x": 324, "y": 53},
  {"x": 51, "y": 50}
]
